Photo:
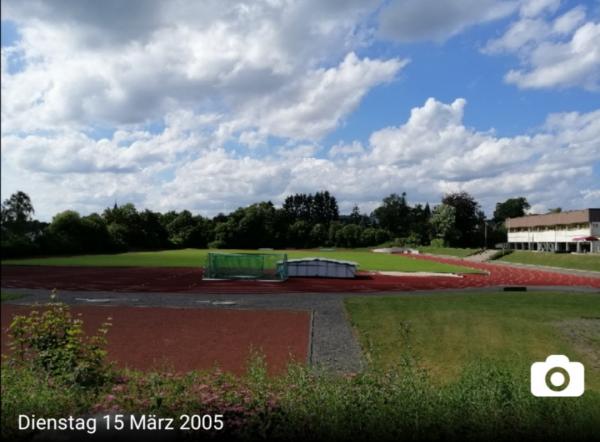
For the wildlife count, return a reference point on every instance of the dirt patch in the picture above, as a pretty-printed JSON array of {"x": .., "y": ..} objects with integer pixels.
[
  {"x": 188, "y": 339},
  {"x": 584, "y": 335}
]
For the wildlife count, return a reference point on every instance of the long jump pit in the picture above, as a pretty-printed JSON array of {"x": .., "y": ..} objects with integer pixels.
[{"x": 181, "y": 340}]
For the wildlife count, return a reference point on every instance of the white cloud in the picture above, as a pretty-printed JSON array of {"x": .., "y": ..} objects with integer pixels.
[
  {"x": 431, "y": 153},
  {"x": 532, "y": 8},
  {"x": 341, "y": 150},
  {"x": 555, "y": 53},
  {"x": 265, "y": 67},
  {"x": 315, "y": 105},
  {"x": 414, "y": 20},
  {"x": 212, "y": 75}
]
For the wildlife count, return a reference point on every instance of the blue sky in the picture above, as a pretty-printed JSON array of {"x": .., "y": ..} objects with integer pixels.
[{"x": 211, "y": 106}]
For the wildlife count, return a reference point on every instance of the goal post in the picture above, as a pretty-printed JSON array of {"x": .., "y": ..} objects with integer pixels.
[{"x": 265, "y": 266}]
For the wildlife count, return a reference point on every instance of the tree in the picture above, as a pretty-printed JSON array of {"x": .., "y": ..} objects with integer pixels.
[
  {"x": 17, "y": 211},
  {"x": 154, "y": 233},
  {"x": 372, "y": 236},
  {"x": 318, "y": 235},
  {"x": 67, "y": 233},
  {"x": 511, "y": 208},
  {"x": 349, "y": 236},
  {"x": 443, "y": 221},
  {"x": 355, "y": 216},
  {"x": 393, "y": 214},
  {"x": 321, "y": 207},
  {"x": 420, "y": 227},
  {"x": 469, "y": 219},
  {"x": 299, "y": 234},
  {"x": 126, "y": 225}
]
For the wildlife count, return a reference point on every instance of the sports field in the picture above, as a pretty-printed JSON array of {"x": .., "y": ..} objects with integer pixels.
[
  {"x": 446, "y": 332},
  {"x": 563, "y": 260},
  {"x": 197, "y": 258}
]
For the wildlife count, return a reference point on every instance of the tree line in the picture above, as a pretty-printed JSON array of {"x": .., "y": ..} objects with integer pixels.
[{"x": 303, "y": 221}]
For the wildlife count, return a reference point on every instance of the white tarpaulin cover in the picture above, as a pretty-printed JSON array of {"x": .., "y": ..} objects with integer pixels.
[{"x": 324, "y": 267}]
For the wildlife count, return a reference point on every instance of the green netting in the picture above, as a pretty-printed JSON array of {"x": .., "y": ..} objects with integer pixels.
[{"x": 247, "y": 266}]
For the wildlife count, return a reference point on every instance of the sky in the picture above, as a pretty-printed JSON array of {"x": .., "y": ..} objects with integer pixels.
[{"x": 213, "y": 105}]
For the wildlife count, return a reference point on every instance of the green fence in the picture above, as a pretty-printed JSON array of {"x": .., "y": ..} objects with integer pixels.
[{"x": 268, "y": 266}]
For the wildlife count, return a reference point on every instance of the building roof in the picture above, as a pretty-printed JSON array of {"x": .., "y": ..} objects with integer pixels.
[{"x": 552, "y": 219}]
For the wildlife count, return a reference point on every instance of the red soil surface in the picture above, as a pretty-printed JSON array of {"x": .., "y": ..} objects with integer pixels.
[
  {"x": 187, "y": 339},
  {"x": 181, "y": 280}
]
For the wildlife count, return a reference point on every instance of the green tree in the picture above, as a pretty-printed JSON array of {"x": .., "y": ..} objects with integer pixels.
[
  {"x": 511, "y": 208},
  {"x": 393, "y": 215},
  {"x": 372, "y": 236},
  {"x": 469, "y": 219},
  {"x": 299, "y": 234},
  {"x": 349, "y": 236},
  {"x": 443, "y": 221},
  {"x": 17, "y": 211}
]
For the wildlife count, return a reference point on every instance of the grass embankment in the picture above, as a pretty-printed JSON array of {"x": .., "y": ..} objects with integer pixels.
[
  {"x": 197, "y": 257},
  {"x": 447, "y": 251},
  {"x": 447, "y": 332},
  {"x": 563, "y": 260}
]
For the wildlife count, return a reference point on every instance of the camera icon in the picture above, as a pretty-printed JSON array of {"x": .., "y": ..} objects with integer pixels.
[{"x": 557, "y": 377}]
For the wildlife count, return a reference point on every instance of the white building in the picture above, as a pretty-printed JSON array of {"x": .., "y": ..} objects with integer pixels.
[{"x": 573, "y": 231}]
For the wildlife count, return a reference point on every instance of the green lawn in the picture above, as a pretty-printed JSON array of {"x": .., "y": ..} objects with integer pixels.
[
  {"x": 564, "y": 260},
  {"x": 197, "y": 257},
  {"x": 9, "y": 296},
  {"x": 446, "y": 332},
  {"x": 450, "y": 251}
]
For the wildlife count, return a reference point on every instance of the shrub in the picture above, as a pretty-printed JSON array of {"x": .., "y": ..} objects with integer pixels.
[
  {"x": 216, "y": 244},
  {"x": 53, "y": 342},
  {"x": 437, "y": 243}
]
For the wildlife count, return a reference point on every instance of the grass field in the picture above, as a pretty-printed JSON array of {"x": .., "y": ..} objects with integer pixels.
[
  {"x": 449, "y": 251},
  {"x": 446, "y": 332},
  {"x": 197, "y": 257},
  {"x": 9, "y": 296},
  {"x": 564, "y": 260}
]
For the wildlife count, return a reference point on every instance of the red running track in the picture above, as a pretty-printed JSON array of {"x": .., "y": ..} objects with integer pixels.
[
  {"x": 181, "y": 340},
  {"x": 189, "y": 280}
]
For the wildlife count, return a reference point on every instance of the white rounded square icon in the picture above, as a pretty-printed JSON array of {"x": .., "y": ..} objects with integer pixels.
[{"x": 557, "y": 377}]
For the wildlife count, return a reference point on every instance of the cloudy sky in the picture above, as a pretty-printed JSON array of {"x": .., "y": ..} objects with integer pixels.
[{"x": 211, "y": 105}]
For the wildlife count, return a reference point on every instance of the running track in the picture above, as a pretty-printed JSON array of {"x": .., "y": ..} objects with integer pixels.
[
  {"x": 147, "y": 338},
  {"x": 189, "y": 280}
]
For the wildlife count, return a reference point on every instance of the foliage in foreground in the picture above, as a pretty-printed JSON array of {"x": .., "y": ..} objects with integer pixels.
[
  {"x": 54, "y": 344},
  {"x": 402, "y": 403}
]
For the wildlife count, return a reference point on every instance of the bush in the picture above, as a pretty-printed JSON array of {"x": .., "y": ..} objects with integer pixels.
[
  {"x": 488, "y": 402},
  {"x": 54, "y": 343},
  {"x": 216, "y": 244},
  {"x": 437, "y": 243}
]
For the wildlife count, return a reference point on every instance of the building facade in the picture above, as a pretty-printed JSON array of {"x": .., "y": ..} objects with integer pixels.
[{"x": 572, "y": 231}]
